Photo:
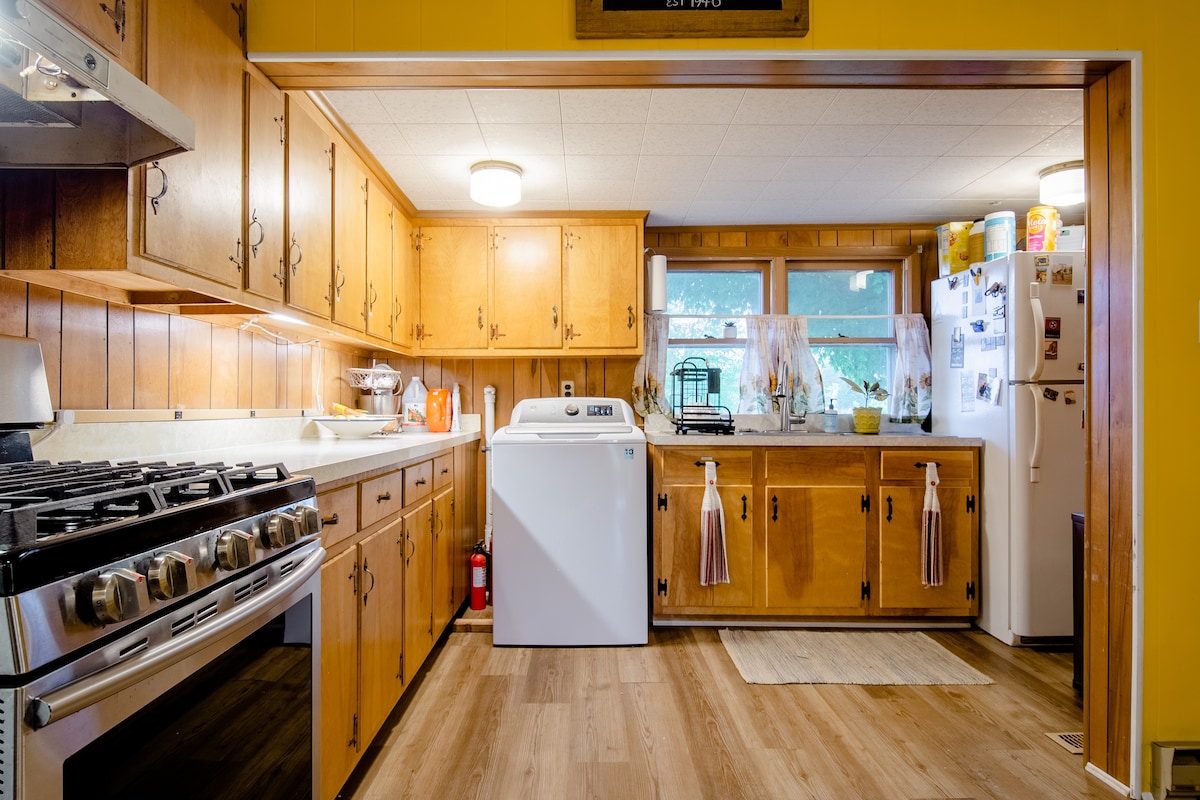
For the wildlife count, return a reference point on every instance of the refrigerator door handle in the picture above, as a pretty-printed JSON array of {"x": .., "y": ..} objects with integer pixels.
[
  {"x": 1039, "y": 331},
  {"x": 1035, "y": 453}
]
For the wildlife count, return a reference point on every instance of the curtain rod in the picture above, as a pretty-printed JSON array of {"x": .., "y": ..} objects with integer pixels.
[{"x": 784, "y": 316}]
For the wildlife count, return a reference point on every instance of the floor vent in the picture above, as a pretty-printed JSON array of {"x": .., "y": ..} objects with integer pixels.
[{"x": 1071, "y": 742}]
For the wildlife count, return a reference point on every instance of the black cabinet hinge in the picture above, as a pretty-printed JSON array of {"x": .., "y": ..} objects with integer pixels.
[
  {"x": 970, "y": 504},
  {"x": 662, "y": 587},
  {"x": 662, "y": 502},
  {"x": 970, "y": 590},
  {"x": 866, "y": 504},
  {"x": 354, "y": 733},
  {"x": 866, "y": 590}
]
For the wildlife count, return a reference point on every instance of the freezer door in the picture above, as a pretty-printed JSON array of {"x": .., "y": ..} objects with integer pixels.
[
  {"x": 1046, "y": 325},
  {"x": 1046, "y": 484}
]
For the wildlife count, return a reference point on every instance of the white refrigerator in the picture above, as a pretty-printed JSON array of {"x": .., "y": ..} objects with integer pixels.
[{"x": 1008, "y": 343}]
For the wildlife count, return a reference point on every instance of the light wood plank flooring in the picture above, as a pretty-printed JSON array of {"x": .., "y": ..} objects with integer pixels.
[{"x": 675, "y": 720}]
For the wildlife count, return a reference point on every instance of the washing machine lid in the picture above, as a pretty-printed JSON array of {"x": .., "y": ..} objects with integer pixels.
[{"x": 559, "y": 417}]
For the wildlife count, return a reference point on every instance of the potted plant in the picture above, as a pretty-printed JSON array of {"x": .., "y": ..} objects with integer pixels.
[
  {"x": 730, "y": 331},
  {"x": 867, "y": 416}
]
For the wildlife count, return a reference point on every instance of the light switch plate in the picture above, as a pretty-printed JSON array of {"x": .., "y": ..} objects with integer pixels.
[{"x": 567, "y": 388}]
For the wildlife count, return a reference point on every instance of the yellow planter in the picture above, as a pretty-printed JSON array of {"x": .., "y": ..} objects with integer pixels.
[{"x": 866, "y": 420}]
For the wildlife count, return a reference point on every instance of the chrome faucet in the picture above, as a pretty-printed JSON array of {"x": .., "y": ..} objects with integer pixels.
[{"x": 786, "y": 417}]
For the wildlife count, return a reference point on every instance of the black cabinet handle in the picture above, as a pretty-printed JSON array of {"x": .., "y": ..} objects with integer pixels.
[
  {"x": 889, "y": 514},
  {"x": 419, "y": 482},
  {"x": 330, "y": 520},
  {"x": 385, "y": 496},
  {"x": 774, "y": 508},
  {"x": 743, "y": 508}
]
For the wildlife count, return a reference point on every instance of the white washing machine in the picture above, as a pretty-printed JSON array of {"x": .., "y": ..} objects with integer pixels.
[{"x": 570, "y": 552}]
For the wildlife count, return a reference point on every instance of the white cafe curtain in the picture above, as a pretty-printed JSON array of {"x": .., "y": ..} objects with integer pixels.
[
  {"x": 649, "y": 376},
  {"x": 911, "y": 392},
  {"x": 771, "y": 342}
]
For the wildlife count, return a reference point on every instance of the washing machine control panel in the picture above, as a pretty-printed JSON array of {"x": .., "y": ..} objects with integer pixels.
[{"x": 600, "y": 411}]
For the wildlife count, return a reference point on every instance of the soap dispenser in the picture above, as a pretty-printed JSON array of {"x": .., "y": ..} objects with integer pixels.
[{"x": 831, "y": 418}]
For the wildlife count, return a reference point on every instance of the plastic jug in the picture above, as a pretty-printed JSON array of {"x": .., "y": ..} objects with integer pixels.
[
  {"x": 437, "y": 410},
  {"x": 413, "y": 418}
]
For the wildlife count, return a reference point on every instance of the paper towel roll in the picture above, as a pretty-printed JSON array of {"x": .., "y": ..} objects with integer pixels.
[{"x": 658, "y": 284}]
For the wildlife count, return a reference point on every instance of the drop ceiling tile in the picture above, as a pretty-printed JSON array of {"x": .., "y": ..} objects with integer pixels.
[
  {"x": 604, "y": 105},
  {"x": 761, "y": 140},
  {"x": 1016, "y": 177},
  {"x": 429, "y": 106},
  {"x": 694, "y": 106},
  {"x": 672, "y": 168},
  {"x": 783, "y": 106},
  {"x": 711, "y": 212},
  {"x": 962, "y": 168},
  {"x": 730, "y": 190},
  {"x": 744, "y": 168},
  {"x": 682, "y": 140},
  {"x": 841, "y": 140},
  {"x": 592, "y": 139},
  {"x": 358, "y": 106},
  {"x": 796, "y": 192},
  {"x": 1001, "y": 140},
  {"x": 1047, "y": 107},
  {"x": 888, "y": 168},
  {"x": 654, "y": 192},
  {"x": 958, "y": 107},
  {"x": 1066, "y": 142},
  {"x": 667, "y": 213},
  {"x": 405, "y": 169},
  {"x": 382, "y": 139},
  {"x": 583, "y": 191},
  {"x": 872, "y": 106},
  {"x": 515, "y": 139},
  {"x": 515, "y": 105},
  {"x": 602, "y": 168},
  {"x": 452, "y": 139},
  {"x": 858, "y": 193},
  {"x": 922, "y": 140},
  {"x": 811, "y": 168}
]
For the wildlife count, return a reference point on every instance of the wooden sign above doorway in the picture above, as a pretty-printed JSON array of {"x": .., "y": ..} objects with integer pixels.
[{"x": 689, "y": 19}]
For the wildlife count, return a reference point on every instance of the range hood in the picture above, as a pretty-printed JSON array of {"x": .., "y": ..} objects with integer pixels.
[{"x": 64, "y": 103}]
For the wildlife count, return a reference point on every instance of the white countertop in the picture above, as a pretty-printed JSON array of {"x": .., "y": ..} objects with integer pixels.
[{"x": 300, "y": 444}]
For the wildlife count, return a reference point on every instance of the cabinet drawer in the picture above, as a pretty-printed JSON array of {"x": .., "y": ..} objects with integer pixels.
[
  {"x": 443, "y": 470},
  {"x": 817, "y": 466},
  {"x": 339, "y": 514},
  {"x": 418, "y": 482},
  {"x": 381, "y": 497},
  {"x": 955, "y": 467},
  {"x": 685, "y": 465}
]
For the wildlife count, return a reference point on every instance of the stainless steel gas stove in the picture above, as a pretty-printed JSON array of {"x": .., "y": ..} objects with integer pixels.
[{"x": 159, "y": 627}]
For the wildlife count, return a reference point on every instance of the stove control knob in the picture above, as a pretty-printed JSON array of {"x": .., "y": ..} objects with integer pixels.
[
  {"x": 310, "y": 520},
  {"x": 282, "y": 530},
  {"x": 171, "y": 574},
  {"x": 235, "y": 549},
  {"x": 119, "y": 594}
]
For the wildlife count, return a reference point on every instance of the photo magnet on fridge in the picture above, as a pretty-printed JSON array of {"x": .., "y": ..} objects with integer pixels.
[
  {"x": 1051, "y": 353},
  {"x": 958, "y": 346},
  {"x": 1050, "y": 394},
  {"x": 1053, "y": 327},
  {"x": 1061, "y": 275}
]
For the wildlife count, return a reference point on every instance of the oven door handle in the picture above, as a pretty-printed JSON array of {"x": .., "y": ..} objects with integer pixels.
[{"x": 76, "y": 696}]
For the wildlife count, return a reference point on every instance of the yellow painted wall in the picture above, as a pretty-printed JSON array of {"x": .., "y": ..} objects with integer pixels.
[{"x": 1162, "y": 30}]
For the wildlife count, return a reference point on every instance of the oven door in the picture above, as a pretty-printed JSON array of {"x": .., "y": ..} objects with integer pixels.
[{"x": 225, "y": 710}]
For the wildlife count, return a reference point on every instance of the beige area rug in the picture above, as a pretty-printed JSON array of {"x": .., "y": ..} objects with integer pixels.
[{"x": 875, "y": 658}]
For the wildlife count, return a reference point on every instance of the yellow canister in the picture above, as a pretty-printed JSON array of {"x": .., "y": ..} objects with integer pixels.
[
  {"x": 1041, "y": 228},
  {"x": 975, "y": 243},
  {"x": 958, "y": 239}
]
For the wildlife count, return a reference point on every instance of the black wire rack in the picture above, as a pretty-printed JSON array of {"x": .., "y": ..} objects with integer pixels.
[{"x": 696, "y": 386}]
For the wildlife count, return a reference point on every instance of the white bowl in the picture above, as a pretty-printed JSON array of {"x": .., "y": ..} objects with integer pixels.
[{"x": 354, "y": 427}]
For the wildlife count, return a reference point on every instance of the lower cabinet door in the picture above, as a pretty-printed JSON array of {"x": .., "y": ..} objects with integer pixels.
[
  {"x": 678, "y": 580},
  {"x": 900, "y": 522},
  {"x": 381, "y": 644},
  {"x": 339, "y": 671},
  {"x": 418, "y": 587}
]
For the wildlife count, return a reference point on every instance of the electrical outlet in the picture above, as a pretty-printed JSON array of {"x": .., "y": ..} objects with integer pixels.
[{"x": 567, "y": 388}]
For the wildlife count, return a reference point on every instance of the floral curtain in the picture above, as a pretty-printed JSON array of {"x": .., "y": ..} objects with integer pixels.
[
  {"x": 771, "y": 342},
  {"x": 912, "y": 385},
  {"x": 649, "y": 377}
]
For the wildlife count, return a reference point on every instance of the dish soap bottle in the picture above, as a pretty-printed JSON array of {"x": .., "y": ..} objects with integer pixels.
[
  {"x": 413, "y": 418},
  {"x": 831, "y": 418}
]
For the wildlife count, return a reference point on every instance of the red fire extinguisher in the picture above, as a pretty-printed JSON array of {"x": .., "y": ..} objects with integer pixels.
[{"x": 478, "y": 580}]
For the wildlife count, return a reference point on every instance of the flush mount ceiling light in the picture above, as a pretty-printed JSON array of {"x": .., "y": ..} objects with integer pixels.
[
  {"x": 1062, "y": 184},
  {"x": 496, "y": 183}
]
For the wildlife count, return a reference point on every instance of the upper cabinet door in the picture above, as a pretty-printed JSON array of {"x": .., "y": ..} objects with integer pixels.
[
  {"x": 404, "y": 282},
  {"x": 192, "y": 212},
  {"x": 527, "y": 288},
  {"x": 265, "y": 140},
  {"x": 380, "y": 248},
  {"x": 309, "y": 211},
  {"x": 454, "y": 269},
  {"x": 601, "y": 288},
  {"x": 349, "y": 239}
]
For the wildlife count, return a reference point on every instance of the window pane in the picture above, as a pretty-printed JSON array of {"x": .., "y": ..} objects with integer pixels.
[
  {"x": 726, "y": 358},
  {"x": 711, "y": 292},
  {"x": 817, "y": 292},
  {"x": 858, "y": 362}
]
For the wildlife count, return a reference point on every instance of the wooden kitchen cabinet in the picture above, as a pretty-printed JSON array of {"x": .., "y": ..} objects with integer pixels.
[
  {"x": 453, "y": 267},
  {"x": 339, "y": 670},
  {"x": 192, "y": 214},
  {"x": 815, "y": 550},
  {"x": 677, "y": 496},
  {"x": 526, "y": 287},
  {"x": 115, "y": 25},
  {"x": 404, "y": 283},
  {"x": 263, "y": 233},
  {"x": 349, "y": 239},
  {"x": 443, "y": 605},
  {"x": 381, "y": 644},
  {"x": 418, "y": 589},
  {"x": 309, "y": 238},
  {"x": 902, "y": 496},
  {"x": 379, "y": 261},
  {"x": 602, "y": 287}
]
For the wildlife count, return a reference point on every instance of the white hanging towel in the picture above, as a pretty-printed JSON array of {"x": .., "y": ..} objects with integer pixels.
[
  {"x": 931, "y": 531},
  {"x": 713, "y": 566}
]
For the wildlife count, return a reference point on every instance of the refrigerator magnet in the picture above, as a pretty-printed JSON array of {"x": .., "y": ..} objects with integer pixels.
[
  {"x": 1069, "y": 397},
  {"x": 1051, "y": 352},
  {"x": 1049, "y": 394},
  {"x": 983, "y": 388},
  {"x": 987, "y": 343},
  {"x": 1061, "y": 275},
  {"x": 978, "y": 326},
  {"x": 966, "y": 392},
  {"x": 1053, "y": 327},
  {"x": 958, "y": 346},
  {"x": 1080, "y": 294}
]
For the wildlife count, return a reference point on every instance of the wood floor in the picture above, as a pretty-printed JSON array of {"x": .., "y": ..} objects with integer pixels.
[{"x": 675, "y": 720}]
